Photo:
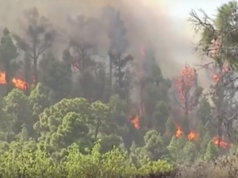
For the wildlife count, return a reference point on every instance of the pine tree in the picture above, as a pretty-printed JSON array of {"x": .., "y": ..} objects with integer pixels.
[{"x": 211, "y": 151}]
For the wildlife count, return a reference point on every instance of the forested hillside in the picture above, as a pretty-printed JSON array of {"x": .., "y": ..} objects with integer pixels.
[{"x": 78, "y": 113}]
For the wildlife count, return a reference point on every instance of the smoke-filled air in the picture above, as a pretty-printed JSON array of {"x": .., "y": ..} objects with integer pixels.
[{"x": 117, "y": 89}]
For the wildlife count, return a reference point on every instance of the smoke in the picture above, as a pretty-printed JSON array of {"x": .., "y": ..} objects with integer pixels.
[{"x": 146, "y": 21}]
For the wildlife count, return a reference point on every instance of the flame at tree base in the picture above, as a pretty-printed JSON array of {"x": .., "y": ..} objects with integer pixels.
[
  {"x": 221, "y": 143},
  {"x": 135, "y": 122},
  {"x": 16, "y": 82},
  {"x": 178, "y": 133},
  {"x": 191, "y": 136}
]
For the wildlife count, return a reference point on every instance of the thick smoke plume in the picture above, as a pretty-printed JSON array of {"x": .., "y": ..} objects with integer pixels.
[{"x": 146, "y": 21}]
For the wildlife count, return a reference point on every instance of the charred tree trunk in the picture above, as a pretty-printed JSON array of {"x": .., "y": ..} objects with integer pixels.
[
  {"x": 97, "y": 130},
  {"x": 27, "y": 72},
  {"x": 8, "y": 78},
  {"x": 110, "y": 72},
  {"x": 219, "y": 129},
  {"x": 35, "y": 63},
  {"x": 35, "y": 71}
]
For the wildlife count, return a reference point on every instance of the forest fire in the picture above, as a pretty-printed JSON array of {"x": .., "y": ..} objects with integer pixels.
[
  {"x": 135, "y": 122},
  {"x": 179, "y": 132},
  {"x": 221, "y": 143},
  {"x": 17, "y": 82},
  {"x": 106, "y": 85},
  {"x": 185, "y": 81},
  {"x": 191, "y": 136},
  {"x": 140, "y": 73}
]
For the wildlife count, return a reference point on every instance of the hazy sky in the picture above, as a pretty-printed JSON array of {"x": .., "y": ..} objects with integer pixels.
[
  {"x": 179, "y": 10},
  {"x": 182, "y": 8}
]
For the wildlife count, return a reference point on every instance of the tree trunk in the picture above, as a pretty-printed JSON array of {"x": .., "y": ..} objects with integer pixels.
[
  {"x": 35, "y": 62},
  {"x": 7, "y": 78},
  {"x": 27, "y": 72},
  {"x": 97, "y": 130},
  {"x": 35, "y": 71},
  {"x": 119, "y": 75},
  {"x": 27, "y": 80},
  {"x": 110, "y": 72}
]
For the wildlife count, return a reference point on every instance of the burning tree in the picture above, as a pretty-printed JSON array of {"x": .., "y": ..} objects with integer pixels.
[
  {"x": 188, "y": 94},
  {"x": 38, "y": 38},
  {"x": 18, "y": 83},
  {"x": 8, "y": 55},
  {"x": 153, "y": 111},
  {"x": 219, "y": 44},
  {"x": 188, "y": 89},
  {"x": 139, "y": 72},
  {"x": 135, "y": 121}
]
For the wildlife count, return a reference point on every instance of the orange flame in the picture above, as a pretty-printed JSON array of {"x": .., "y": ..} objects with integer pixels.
[
  {"x": 17, "y": 82},
  {"x": 222, "y": 144},
  {"x": 135, "y": 122},
  {"x": 185, "y": 80},
  {"x": 179, "y": 132},
  {"x": 191, "y": 136}
]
